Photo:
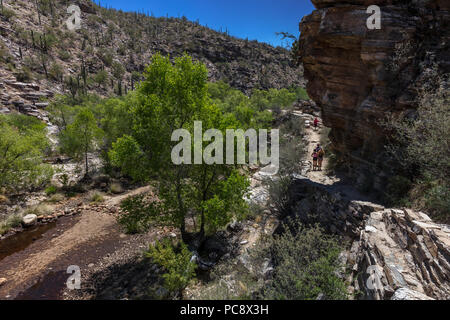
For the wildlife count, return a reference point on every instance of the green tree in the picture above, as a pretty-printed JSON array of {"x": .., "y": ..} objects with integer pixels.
[
  {"x": 23, "y": 143},
  {"x": 81, "y": 137},
  {"x": 173, "y": 97}
]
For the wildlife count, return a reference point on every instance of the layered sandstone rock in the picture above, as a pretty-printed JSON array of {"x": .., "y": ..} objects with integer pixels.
[
  {"x": 359, "y": 76},
  {"x": 402, "y": 255}
]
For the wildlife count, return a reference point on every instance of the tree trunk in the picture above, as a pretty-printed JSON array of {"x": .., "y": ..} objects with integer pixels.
[{"x": 86, "y": 164}]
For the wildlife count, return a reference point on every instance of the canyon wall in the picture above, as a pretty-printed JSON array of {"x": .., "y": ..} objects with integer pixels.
[{"x": 359, "y": 76}]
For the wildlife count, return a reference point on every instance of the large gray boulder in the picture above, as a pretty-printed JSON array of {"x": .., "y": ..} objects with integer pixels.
[{"x": 29, "y": 220}]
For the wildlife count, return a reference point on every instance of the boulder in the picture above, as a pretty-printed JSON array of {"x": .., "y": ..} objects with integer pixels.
[
  {"x": 29, "y": 220},
  {"x": 408, "y": 294}
]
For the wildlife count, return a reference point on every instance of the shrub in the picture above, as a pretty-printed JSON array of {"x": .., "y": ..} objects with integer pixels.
[
  {"x": 64, "y": 55},
  {"x": 420, "y": 146},
  {"x": 51, "y": 190},
  {"x": 397, "y": 189},
  {"x": 306, "y": 264},
  {"x": 136, "y": 217},
  {"x": 24, "y": 74},
  {"x": 118, "y": 70},
  {"x": 56, "y": 72},
  {"x": 106, "y": 57},
  {"x": 101, "y": 77},
  {"x": 177, "y": 262},
  {"x": 437, "y": 199},
  {"x": 278, "y": 193},
  {"x": 7, "y": 14}
]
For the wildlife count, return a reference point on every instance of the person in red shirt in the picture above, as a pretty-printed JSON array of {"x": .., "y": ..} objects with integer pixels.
[{"x": 316, "y": 123}]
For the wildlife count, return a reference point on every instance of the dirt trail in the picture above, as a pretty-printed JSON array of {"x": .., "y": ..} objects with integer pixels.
[
  {"x": 334, "y": 183},
  {"x": 318, "y": 176},
  {"x": 80, "y": 240}
]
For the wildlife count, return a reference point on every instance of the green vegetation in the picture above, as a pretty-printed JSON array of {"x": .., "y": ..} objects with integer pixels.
[
  {"x": 81, "y": 137},
  {"x": 12, "y": 221},
  {"x": 96, "y": 197},
  {"x": 306, "y": 263},
  {"x": 177, "y": 262},
  {"x": 211, "y": 194},
  {"x": 23, "y": 144},
  {"x": 421, "y": 147},
  {"x": 254, "y": 110},
  {"x": 51, "y": 190}
]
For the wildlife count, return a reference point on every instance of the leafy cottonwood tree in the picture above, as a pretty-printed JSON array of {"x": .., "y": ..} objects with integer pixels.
[
  {"x": 173, "y": 97},
  {"x": 23, "y": 142},
  {"x": 81, "y": 137}
]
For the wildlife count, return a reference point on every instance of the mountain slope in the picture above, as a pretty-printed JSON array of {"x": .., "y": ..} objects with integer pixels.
[{"x": 111, "y": 48}]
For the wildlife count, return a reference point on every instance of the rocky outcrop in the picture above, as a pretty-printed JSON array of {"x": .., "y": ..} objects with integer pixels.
[
  {"x": 394, "y": 254},
  {"x": 359, "y": 76},
  {"x": 402, "y": 254}
]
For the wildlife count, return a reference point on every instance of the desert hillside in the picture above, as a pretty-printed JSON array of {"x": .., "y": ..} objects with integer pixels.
[{"x": 40, "y": 56}]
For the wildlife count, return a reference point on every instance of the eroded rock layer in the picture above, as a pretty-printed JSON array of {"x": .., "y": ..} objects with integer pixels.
[
  {"x": 359, "y": 76},
  {"x": 396, "y": 254}
]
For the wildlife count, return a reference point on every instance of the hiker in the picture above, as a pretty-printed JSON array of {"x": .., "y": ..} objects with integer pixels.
[
  {"x": 316, "y": 123},
  {"x": 315, "y": 156},
  {"x": 320, "y": 155}
]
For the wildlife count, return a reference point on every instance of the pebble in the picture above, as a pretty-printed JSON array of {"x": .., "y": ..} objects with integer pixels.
[{"x": 2, "y": 281}]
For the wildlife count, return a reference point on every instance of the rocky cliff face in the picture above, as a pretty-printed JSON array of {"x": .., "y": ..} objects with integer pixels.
[{"x": 359, "y": 76}]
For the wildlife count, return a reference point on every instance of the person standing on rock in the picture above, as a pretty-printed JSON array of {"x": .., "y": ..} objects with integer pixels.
[
  {"x": 320, "y": 155},
  {"x": 315, "y": 158}
]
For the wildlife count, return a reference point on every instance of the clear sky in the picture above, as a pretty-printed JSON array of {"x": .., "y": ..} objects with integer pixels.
[{"x": 255, "y": 19}]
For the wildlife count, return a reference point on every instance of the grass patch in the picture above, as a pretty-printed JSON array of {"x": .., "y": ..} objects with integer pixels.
[
  {"x": 41, "y": 209},
  {"x": 115, "y": 188},
  {"x": 57, "y": 197},
  {"x": 96, "y": 197},
  {"x": 12, "y": 221}
]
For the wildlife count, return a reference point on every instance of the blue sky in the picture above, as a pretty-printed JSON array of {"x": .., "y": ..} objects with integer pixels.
[{"x": 255, "y": 19}]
